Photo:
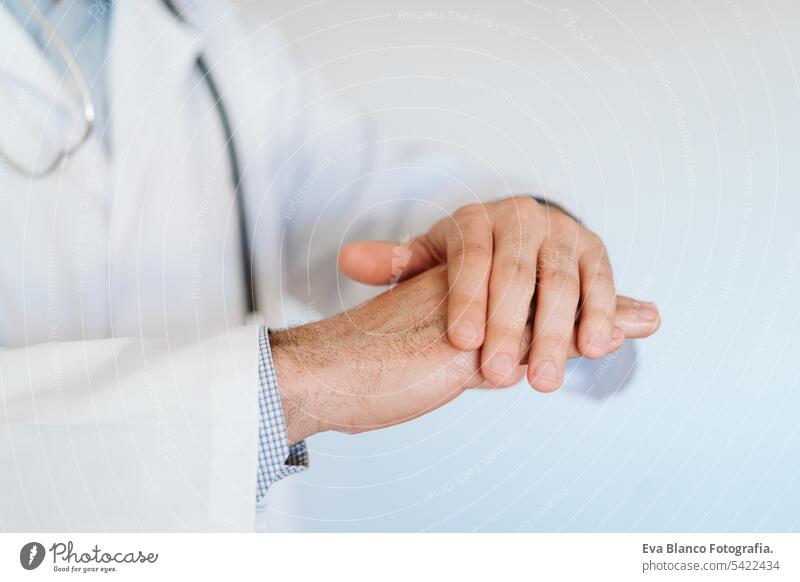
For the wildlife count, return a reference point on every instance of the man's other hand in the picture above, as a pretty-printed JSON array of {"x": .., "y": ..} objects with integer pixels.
[{"x": 497, "y": 255}]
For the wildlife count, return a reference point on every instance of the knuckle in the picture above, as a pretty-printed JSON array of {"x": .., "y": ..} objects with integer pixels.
[
  {"x": 521, "y": 210},
  {"x": 559, "y": 254},
  {"x": 601, "y": 278},
  {"x": 525, "y": 206},
  {"x": 592, "y": 239},
  {"x": 470, "y": 212},
  {"x": 519, "y": 240},
  {"x": 524, "y": 239},
  {"x": 516, "y": 267},
  {"x": 472, "y": 252},
  {"x": 559, "y": 278},
  {"x": 566, "y": 248},
  {"x": 529, "y": 240},
  {"x": 563, "y": 224},
  {"x": 560, "y": 221},
  {"x": 605, "y": 265}
]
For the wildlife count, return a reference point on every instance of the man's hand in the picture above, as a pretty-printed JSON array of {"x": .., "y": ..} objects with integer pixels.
[
  {"x": 388, "y": 360},
  {"x": 497, "y": 255}
]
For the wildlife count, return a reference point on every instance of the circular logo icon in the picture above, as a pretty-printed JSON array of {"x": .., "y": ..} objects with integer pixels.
[{"x": 31, "y": 555}]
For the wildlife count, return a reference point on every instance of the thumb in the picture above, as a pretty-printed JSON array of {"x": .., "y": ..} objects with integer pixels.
[{"x": 382, "y": 262}]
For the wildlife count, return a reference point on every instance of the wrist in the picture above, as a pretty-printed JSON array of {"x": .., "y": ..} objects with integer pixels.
[{"x": 297, "y": 384}]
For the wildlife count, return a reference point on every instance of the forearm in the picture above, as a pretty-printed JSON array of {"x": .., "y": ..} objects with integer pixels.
[
  {"x": 388, "y": 360},
  {"x": 382, "y": 363}
]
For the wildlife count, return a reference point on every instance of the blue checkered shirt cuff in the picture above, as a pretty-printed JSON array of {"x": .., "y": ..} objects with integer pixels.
[{"x": 276, "y": 459}]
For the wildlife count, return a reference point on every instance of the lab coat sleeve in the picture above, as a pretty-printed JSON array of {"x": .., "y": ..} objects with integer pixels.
[{"x": 130, "y": 434}]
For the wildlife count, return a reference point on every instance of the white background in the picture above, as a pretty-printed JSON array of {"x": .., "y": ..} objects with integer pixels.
[{"x": 672, "y": 129}]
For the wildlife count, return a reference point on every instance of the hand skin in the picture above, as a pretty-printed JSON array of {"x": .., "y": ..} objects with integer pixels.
[
  {"x": 496, "y": 253},
  {"x": 389, "y": 361}
]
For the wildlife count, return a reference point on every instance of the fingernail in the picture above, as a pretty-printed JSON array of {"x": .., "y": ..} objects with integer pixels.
[
  {"x": 547, "y": 371},
  {"x": 502, "y": 365},
  {"x": 467, "y": 332},
  {"x": 646, "y": 311}
]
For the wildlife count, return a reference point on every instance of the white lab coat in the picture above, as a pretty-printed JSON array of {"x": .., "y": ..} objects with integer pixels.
[{"x": 128, "y": 378}]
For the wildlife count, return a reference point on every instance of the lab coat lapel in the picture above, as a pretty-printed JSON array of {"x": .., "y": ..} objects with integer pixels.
[{"x": 152, "y": 55}]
